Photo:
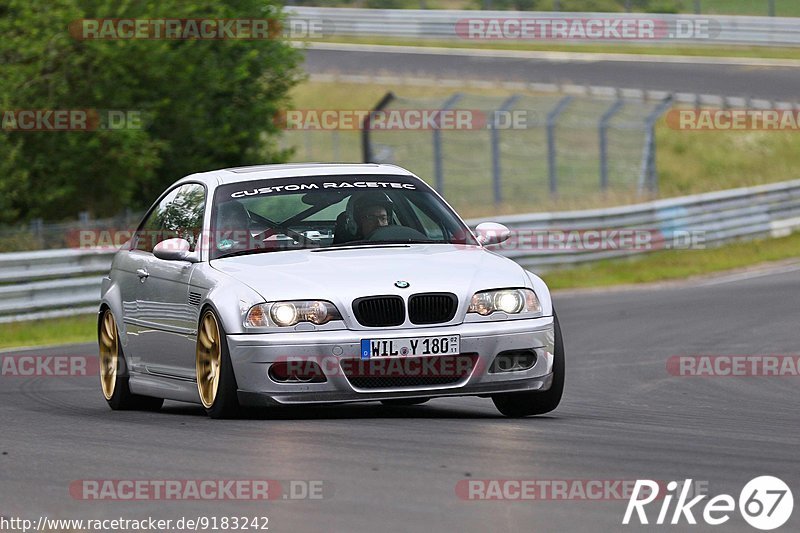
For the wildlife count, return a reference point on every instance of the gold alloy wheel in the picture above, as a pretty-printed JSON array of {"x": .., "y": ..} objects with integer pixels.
[
  {"x": 109, "y": 355},
  {"x": 209, "y": 359}
]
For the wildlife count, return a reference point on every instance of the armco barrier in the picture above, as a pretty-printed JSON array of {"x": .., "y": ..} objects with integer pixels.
[
  {"x": 51, "y": 283},
  {"x": 761, "y": 211},
  {"x": 65, "y": 282},
  {"x": 441, "y": 24}
]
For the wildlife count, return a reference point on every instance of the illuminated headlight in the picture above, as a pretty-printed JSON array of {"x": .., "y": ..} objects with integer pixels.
[
  {"x": 286, "y": 314},
  {"x": 510, "y": 301}
]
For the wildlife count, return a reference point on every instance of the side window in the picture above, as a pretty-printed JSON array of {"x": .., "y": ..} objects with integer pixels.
[
  {"x": 183, "y": 217},
  {"x": 178, "y": 214}
]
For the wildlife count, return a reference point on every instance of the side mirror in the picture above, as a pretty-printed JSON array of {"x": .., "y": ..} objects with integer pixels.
[
  {"x": 491, "y": 233},
  {"x": 174, "y": 250}
]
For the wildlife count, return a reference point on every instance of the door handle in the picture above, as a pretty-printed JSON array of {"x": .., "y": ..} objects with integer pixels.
[{"x": 143, "y": 274}]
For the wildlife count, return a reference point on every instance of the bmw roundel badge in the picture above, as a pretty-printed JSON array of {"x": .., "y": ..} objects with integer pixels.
[{"x": 401, "y": 284}]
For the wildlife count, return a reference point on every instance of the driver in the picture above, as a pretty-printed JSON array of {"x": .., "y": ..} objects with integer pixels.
[{"x": 371, "y": 212}]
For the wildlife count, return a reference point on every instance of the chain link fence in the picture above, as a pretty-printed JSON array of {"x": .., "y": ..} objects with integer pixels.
[
  {"x": 84, "y": 232},
  {"x": 520, "y": 148},
  {"x": 512, "y": 151}
]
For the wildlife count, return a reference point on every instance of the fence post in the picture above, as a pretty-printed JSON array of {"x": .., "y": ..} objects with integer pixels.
[
  {"x": 37, "y": 228},
  {"x": 649, "y": 176},
  {"x": 495, "y": 139},
  {"x": 552, "y": 117},
  {"x": 603, "y": 127},
  {"x": 366, "y": 146},
  {"x": 438, "y": 168},
  {"x": 697, "y": 8},
  {"x": 771, "y": 8}
]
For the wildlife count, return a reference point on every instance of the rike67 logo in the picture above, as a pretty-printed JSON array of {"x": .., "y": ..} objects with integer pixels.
[{"x": 765, "y": 503}]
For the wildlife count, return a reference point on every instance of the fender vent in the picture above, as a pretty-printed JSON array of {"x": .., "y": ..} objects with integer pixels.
[{"x": 194, "y": 298}]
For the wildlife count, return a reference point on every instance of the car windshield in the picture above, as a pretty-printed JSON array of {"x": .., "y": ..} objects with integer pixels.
[{"x": 330, "y": 211}]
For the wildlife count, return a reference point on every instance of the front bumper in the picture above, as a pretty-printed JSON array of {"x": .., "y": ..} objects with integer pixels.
[{"x": 253, "y": 354}]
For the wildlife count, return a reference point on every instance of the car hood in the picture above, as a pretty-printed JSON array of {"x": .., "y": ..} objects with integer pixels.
[{"x": 343, "y": 274}]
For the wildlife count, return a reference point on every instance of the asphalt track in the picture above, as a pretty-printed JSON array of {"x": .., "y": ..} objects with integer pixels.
[
  {"x": 623, "y": 417},
  {"x": 713, "y": 77}
]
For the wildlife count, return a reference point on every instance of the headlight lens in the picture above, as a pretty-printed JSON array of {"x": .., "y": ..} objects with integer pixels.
[
  {"x": 286, "y": 314},
  {"x": 510, "y": 301}
]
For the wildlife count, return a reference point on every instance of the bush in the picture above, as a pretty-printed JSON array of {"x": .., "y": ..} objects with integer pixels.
[{"x": 205, "y": 103}]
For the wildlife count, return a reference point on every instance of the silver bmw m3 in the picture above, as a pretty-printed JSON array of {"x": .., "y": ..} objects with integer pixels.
[{"x": 321, "y": 283}]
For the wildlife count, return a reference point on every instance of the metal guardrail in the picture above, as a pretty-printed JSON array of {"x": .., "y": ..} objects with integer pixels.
[
  {"x": 443, "y": 24},
  {"x": 67, "y": 282},
  {"x": 715, "y": 218},
  {"x": 51, "y": 283}
]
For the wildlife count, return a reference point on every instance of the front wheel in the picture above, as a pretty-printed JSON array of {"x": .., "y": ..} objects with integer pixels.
[
  {"x": 517, "y": 404},
  {"x": 216, "y": 383},
  {"x": 114, "y": 371}
]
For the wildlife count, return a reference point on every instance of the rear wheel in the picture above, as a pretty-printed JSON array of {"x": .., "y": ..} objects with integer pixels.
[
  {"x": 216, "y": 383},
  {"x": 404, "y": 401},
  {"x": 517, "y": 404},
  {"x": 114, "y": 371}
]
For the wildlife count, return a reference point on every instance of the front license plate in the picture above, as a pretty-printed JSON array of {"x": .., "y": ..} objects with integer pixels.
[{"x": 409, "y": 347}]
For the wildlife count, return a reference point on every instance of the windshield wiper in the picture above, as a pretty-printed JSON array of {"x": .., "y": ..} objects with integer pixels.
[
  {"x": 379, "y": 243},
  {"x": 251, "y": 251}
]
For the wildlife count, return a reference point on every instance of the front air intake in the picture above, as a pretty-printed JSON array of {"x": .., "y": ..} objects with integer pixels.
[{"x": 513, "y": 361}]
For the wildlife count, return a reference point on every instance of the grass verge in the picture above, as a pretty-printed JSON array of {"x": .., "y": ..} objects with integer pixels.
[
  {"x": 65, "y": 330},
  {"x": 663, "y": 49},
  {"x": 674, "y": 264}
]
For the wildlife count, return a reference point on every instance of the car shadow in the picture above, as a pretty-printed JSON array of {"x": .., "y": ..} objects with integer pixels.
[{"x": 372, "y": 410}]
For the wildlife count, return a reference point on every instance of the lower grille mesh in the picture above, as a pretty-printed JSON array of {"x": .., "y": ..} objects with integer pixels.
[{"x": 406, "y": 372}]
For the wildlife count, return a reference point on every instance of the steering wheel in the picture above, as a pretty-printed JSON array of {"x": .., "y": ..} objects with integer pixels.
[{"x": 397, "y": 233}]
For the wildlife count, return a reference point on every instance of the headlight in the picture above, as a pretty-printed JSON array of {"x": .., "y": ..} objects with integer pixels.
[
  {"x": 510, "y": 301},
  {"x": 286, "y": 314}
]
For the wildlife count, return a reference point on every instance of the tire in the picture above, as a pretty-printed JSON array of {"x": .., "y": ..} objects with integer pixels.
[
  {"x": 519, "y": 404},
  {"x": 213, "y": 363},
  {"x": 113, "y": 372},
  {"x": 401, "y": 402}
]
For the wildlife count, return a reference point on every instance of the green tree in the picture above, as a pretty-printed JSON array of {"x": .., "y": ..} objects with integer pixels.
[{"x": 204, "y": 103}]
